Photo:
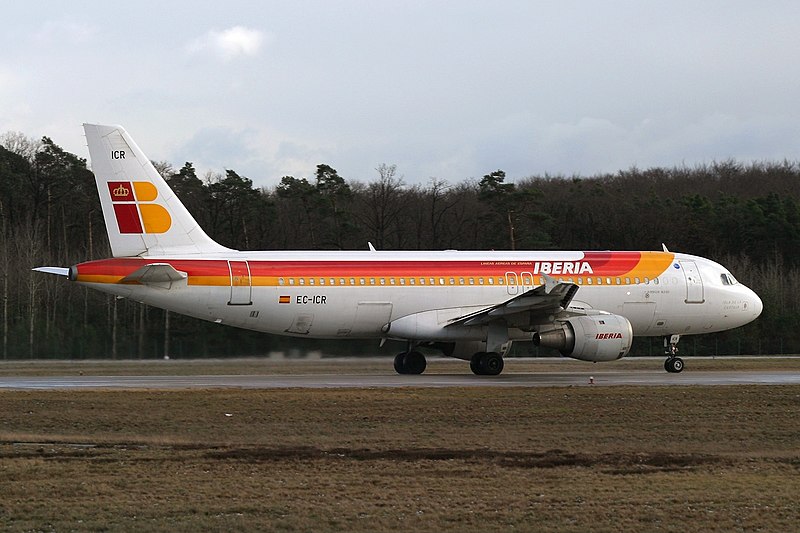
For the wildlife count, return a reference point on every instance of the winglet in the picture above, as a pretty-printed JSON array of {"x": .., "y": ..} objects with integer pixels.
[
  {"x": 549, "y": 283},
  {"x": 664, "y": 247}
]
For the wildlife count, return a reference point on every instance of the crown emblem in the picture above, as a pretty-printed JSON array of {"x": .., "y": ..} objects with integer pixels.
[{"x": 121, "y": 191}]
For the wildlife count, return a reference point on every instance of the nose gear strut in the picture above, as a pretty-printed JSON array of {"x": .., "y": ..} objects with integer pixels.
[{"x": 673, "y": 364}]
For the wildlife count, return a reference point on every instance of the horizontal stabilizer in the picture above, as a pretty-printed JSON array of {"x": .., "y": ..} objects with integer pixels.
[
  {"x": 154, "y": 273},
  {"x": 58, "y": 271}
]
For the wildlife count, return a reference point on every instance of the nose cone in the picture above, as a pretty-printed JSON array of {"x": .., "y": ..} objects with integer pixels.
[{"x": 755, "y": 306}]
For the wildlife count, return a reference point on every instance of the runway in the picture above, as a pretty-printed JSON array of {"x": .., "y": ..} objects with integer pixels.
[{"x": 381, "y": 380}]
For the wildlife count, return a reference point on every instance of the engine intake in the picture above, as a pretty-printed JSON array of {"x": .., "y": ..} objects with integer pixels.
[{"x": 589, "y": 338}]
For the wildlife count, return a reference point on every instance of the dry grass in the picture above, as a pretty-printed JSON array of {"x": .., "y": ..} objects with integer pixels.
[{"x": 716, "y": 458}]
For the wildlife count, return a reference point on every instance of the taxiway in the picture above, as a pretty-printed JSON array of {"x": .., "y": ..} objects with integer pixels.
[{"x": 351, "y": 380}]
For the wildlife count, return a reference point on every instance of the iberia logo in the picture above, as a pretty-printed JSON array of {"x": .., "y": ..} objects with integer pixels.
[{"x": 133, "y": 215}]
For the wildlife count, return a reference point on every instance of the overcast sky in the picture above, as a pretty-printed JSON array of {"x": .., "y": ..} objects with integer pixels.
[{"x": 451, "y": 90}]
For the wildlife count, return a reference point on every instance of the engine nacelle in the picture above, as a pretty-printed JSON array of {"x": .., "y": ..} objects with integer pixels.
[{"x": 589, "y": 338}]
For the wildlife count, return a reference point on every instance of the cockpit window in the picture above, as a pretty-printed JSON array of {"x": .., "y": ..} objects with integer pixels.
[{"x": 727, "y": 279}]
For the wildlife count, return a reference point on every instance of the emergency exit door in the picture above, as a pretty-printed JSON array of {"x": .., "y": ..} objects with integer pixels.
[{"x": 241, "y": 286}]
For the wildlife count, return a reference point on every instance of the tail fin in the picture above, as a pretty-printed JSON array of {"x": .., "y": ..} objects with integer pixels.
[{"x": 143, "y": 216}]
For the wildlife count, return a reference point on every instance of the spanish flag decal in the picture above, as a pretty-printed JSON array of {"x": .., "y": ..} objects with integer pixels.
[
  {"x": 284, "y": 299},
  {"x": 134, "y": 216}
]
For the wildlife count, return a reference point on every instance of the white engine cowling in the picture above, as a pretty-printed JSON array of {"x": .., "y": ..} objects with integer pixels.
[{"x": 589, "y": 338}]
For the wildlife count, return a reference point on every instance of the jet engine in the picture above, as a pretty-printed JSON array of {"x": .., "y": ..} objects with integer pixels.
[{"x": 589, "y": 338}]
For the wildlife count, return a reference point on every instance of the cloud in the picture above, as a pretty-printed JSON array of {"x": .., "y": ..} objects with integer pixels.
[
  {"x": 230, "y": 43},
  {"x": 59, "y": 31}
]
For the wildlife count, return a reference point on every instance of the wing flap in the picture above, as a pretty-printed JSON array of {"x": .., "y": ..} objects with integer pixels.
[{"x": 548, "y": 299}]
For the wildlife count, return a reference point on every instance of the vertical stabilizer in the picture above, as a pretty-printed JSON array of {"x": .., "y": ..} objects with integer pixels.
[{"x": 142, "y": 214}]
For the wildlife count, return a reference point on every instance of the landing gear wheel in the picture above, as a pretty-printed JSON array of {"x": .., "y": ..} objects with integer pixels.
[
  {"x": 486, "y": 363},
  {"x": 414, "y": 363},
  {"x": 674, "y": 365},
  {"x": 410, "y": 363},
  {"x": 398, "y": 362},
  {"x": 475, "y": 363},
  {"x": 492, "y": 363}
]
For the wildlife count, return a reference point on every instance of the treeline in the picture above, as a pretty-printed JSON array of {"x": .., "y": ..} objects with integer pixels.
[{"x": 745, "y": 216}]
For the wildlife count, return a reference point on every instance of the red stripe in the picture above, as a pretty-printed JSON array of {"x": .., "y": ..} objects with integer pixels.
[{"x": 603, "y": 264}]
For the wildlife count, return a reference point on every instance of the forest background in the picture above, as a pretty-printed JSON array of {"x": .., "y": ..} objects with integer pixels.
[{"x": 745, "y": 216}]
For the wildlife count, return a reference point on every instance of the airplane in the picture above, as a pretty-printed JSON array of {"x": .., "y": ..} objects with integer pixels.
[{"x": 469, "y": 305}]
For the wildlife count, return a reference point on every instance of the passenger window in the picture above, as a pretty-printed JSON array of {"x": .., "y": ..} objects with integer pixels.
[
  {"x": 472, "y": 281},
  {"x": 291, "y": 281},
  {"x": 341, "y": 281},
  {"x": 589, "y": 281},
  {"x": 310, "y": 281},
  {"x": 422, "y": 281},
  {"x": 441, "y": 281},
  {"x": 322, "y": 281},
  {"x": 452, "y": 281},
  {"x": 619, "y": 281},
  {"x": 460, "y": 281},
  {"x": 302, "y": 281},
  {"x": 402, "y": 281},
  {"x": 391, "y": 281},
  {"x": 491, "y": 281},
  {"x": 636, "y": 280},
  {"x": 627, "y": 281},
  {"x": 352, "y": 281},
  {"x": 281, "y": 281},
  {"x": 362, "y": 281}
]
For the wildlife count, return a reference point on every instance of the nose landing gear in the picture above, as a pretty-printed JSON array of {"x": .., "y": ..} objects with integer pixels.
[{"x": 673, "y": 364}]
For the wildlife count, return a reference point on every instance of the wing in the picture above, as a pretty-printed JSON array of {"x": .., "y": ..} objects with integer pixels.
[
  {"x": 545, "y": 300},
  {"x": 154, "y": 273}
]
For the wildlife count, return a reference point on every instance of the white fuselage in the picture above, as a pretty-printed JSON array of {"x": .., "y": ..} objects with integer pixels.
[{"x": 289, "y": 293}]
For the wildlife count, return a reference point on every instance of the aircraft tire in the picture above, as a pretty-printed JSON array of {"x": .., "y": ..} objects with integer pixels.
[
  {"x": 399, "y": 363},
  {"x": 414, "y": 363},
  {"x": 492, "y": 364},
  {"x": 475, "y": 363},
  {"x": 673, "y": 365}
]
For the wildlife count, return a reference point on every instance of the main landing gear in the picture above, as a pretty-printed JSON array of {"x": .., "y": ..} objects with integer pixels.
[
  {"x": 410, "y": 362},
  {"x": 486, "y": 363},
  {"x": 673, "y": 364}
]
